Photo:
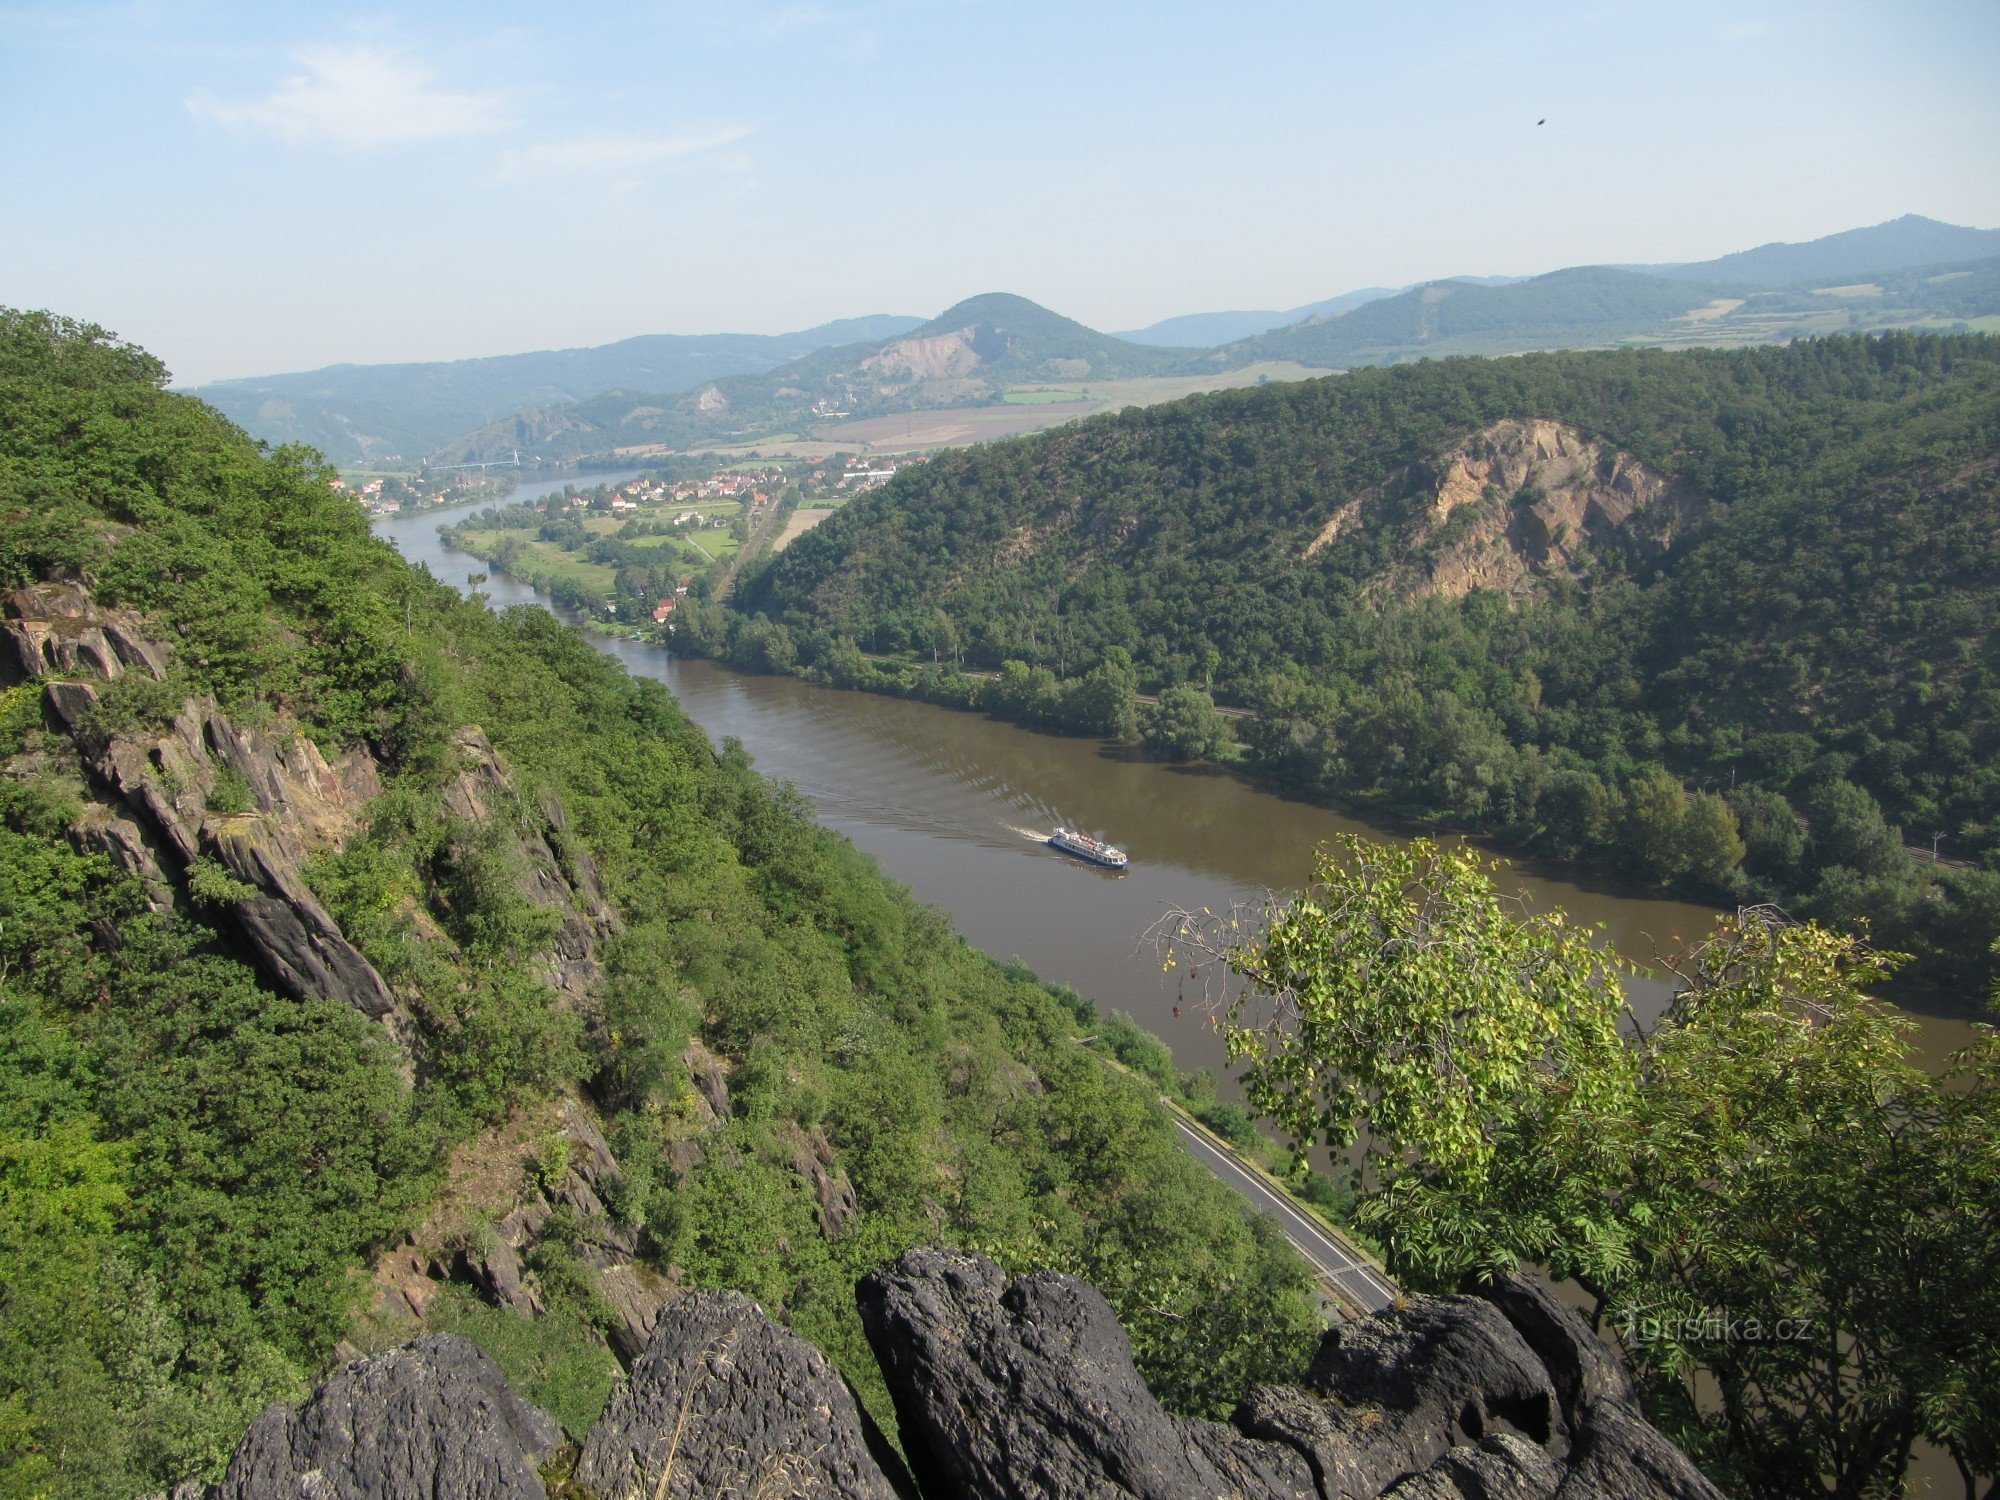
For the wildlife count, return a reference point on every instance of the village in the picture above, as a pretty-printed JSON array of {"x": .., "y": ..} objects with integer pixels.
[
  {"x": 625, "y": 554},
  {"x": 398, "y": 494}
]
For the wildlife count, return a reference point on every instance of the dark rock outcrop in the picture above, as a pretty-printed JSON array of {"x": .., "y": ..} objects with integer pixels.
[
  {"x": 724, "y": 1402},
  {"x": 1028, "y": 1388},
  {"x": 432, "y": 1418},
  {"x": 1001, "y": 1388},
  {"x": 158, "y": 812}
]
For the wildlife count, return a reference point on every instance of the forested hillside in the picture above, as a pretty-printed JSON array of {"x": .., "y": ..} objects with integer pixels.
[
  {"x": 368, "y": 960},
  {"x": 1608, "y": 306},
  {"x": 1731, "y": 619}
]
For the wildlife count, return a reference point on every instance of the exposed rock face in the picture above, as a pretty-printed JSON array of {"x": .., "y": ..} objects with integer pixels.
[
  {"x": 813, "y": 1159},
  {"x": 1002, "y": 1388},
  {"x": 433, "y": 1418},
  {"x": 939, "y": 356},
  {"x": 557, "y": 873},
  {"x": 157, "y": 813},
  {"x": 1027, "y": 1387},
  {"x": 501, "y": 1200},
  {"x": 155, "y": 817},
  {"x": 724, "y": 1402},
  {"x": 1520, "y": 501},
  {"x": 56, "y": 630}
]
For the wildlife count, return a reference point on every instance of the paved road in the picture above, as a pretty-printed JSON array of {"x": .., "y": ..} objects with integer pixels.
[{"x": 1357, "y": 1280}]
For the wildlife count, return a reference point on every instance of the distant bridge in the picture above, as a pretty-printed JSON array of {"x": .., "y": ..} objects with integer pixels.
[{"x": 498, "y": 463}]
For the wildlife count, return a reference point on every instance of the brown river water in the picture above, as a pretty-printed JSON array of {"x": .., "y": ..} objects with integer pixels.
[{"x": 954, "y": 804}]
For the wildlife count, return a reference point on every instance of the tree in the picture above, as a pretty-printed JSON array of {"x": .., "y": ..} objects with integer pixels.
[
  {"x": 1848, "y": 829},
  {"x": 1575, "y": 809},
  {"x": 1711, "y": 847},
  {"x": 1655, "y": 816},
  {"x": 1105, "y": 701},
  {"x": 1184, "y": 725},
  {"x": 1760, "y": 1191}
]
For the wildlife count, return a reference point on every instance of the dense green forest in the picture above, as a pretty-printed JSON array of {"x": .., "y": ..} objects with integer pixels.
[
  {"x": 1769, "y": 700},
  {"x": 197, "y": 1170}
]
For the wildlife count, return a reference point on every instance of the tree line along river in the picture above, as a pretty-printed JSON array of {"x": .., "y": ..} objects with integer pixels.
[{"x": 954, "y": 804}]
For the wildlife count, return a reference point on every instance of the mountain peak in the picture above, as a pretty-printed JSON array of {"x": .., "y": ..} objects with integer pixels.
[{"x": 995, "y": 307}]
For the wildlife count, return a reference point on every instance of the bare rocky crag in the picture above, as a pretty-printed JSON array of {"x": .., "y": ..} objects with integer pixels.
[
  {"x": 1519, "y": 502},
  {"x": 1002, "y": 1389},
  {"x": 158, "y": 807}
]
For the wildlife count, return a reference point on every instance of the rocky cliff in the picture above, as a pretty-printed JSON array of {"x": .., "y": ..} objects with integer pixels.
[
  {"x": 226, "y": 816},
  {"x": 1516, "y": 503},
  {"x": 1002, "y": 1388}
]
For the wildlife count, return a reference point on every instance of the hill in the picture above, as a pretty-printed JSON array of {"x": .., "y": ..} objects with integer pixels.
[
  {"x": 672, "y": 390},
  {"x": 1898, "y": 245},
  {"x": 969, "y": 355},
  {"x": 1524, "y": 596},
  {"x": 1582, "y": 305},
  {"x": 1607, "y": 306},
  {"x": 1206, "y": 330},
  {"x": 371, "y": 963},
  {"x": 393, "y": 415}
]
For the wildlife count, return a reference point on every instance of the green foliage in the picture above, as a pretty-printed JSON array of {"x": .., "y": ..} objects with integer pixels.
[
  {"x": 231, "y": 793},
  {"x": 1421, "y": 1013},
  {"x": 195, "y": 1169},
  {"x": 1761, "y": 1191},
  {"x": 212, "y": 885},
  {"x": 556, "y": 1361},
  {"x": 1184, "y": 725},
  {"x": 1824, "y": 629}
]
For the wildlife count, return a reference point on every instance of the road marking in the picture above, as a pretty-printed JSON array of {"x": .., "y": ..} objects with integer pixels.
[{"x": 1349, "y": 1273}]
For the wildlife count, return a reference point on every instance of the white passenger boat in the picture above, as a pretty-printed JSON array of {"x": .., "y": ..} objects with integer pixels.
[{"x": 1083, "y": 846}]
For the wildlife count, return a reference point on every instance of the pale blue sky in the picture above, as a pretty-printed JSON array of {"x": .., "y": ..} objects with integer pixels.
[{"x": 253, "y": 187}]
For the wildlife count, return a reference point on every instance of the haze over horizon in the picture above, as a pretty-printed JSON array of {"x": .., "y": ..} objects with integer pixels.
[{"x": 249, "y": 189}]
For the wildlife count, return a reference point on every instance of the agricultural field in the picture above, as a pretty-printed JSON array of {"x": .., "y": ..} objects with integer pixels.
[
  {"x": 800, "y": 522},
  {"x": 1150, "y": 390},
  {"x": 1032, "y": 408},
  {"x": 541, "y": 563}
]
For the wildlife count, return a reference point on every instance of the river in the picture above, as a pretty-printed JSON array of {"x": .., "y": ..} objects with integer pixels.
[{"x": 953, "y": 805}]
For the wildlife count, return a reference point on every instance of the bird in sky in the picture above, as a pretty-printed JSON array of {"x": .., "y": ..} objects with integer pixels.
[{"x": 1543, "y": 121}]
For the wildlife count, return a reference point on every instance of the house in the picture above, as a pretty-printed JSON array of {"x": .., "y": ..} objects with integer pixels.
[{"x": 664, "y": 608}]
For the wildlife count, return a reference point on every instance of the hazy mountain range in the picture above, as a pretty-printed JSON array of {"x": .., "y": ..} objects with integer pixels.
[
  {"x": 389, "y": 414},
  {"x": 676, "y": 390}
]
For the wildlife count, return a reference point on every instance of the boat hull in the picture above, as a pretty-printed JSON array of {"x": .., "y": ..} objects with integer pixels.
[{"x": 1100, "y": 855}]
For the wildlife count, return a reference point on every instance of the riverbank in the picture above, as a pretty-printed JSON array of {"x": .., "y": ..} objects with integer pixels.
[
  {"x": 941, "y": 799},
  {"x": 1624, "y": 829}
]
